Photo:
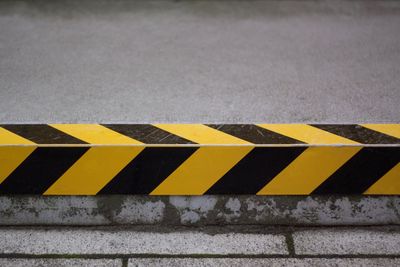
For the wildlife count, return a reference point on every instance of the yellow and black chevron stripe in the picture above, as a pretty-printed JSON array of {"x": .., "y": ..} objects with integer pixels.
[{"x": 197, "y": 159}]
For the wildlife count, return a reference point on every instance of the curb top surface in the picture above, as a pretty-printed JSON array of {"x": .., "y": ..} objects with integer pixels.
[{"x": 200, "y": 134}]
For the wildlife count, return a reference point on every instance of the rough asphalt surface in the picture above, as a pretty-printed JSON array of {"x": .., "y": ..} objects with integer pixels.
[{"x": 199, "y": 61}]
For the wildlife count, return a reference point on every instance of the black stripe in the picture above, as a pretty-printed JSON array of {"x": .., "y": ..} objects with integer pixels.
[
  {"x": 361, "y": 171},
  {"x": 41, "y": 169},
  {"x": 147, "y": 134},
  {"x": 255, "y": 170},
  {"x": 359, "y": 134},
  {"x": 254, "y": 134},
  {"x": 42, "y": 134},
  {"x": 148, "y": 170}
]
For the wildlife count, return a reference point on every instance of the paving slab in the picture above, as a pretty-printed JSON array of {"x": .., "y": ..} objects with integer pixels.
[
  {"x": 347, "y": 242},
  {"x": 264, "y": 262},
  {"x": 60, "y": 262},
  {"x": 100, "y": 242},
  {"x": 142, "y": 262},
  {"x": 199, "y": 61}
]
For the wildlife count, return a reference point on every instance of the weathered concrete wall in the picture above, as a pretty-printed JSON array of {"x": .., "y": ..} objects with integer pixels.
[{"x": 204, "y": 210}]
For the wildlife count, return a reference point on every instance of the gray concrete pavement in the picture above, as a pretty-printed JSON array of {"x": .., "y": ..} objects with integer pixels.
[
  {"x": 61, "y": 262},
  {"x": 243, "y": 246},
  {"x": 243, "y": 241},
  {"x": 199, "y": 61},
  {"x": 350, "y": 241},
  {"x": 274, "y": 262},
  {"x": 120, "y": 241}
]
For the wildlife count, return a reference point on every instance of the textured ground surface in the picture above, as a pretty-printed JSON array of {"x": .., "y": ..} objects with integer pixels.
[
  {"x": 199, "y": 61},
  {"x": 211, "y": 246}
]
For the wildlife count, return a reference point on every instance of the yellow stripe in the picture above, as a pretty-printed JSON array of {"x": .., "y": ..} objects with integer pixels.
[
  {"x": 307, "y": 134},
  {"x": 198, "y": 173},
  {"x": 389, "y": 184},
  {"x": 201, "y": 134},
  {"x": 10, "y": 138},
  {"x": 93, "y": 170},
  {"x": 309, "y": 170},
  {"x": 95, "y": 134},
  {"x": 11, "y": 157},
  {"x": 389, "y": 129}
]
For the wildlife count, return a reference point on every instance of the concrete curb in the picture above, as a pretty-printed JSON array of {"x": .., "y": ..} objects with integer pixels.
[{"x": 200, "y": 159}]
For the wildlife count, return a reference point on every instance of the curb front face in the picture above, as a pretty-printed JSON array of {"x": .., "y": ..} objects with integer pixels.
[{"x": 198, "y": 159}]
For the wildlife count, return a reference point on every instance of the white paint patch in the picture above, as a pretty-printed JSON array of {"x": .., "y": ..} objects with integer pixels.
[
  {"x": 263, "y": 210},
  {"x": 233, "y": 205},
  {"x": 190, "y": 217},
  {"x": 193, "y": 209},
  {"x": 147, "y": 212}
]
